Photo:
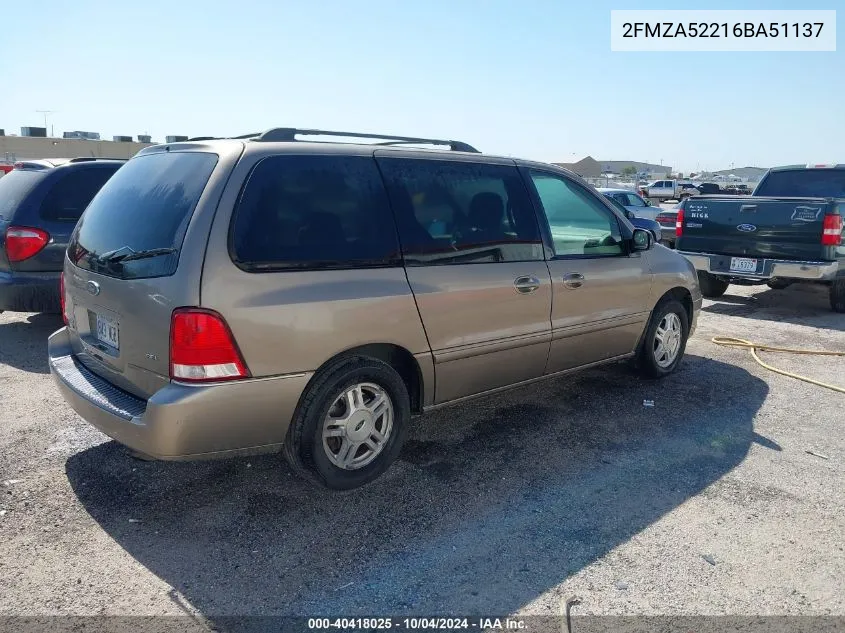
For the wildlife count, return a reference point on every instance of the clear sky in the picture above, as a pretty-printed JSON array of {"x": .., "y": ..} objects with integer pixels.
[{"x": 529, "y": 78}]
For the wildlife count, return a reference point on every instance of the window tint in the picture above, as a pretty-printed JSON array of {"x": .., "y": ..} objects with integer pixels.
[
  {"x": 451, "y": 212},
  {"x": 69, "y": 195},
  {"x": 313, "y": 212},
  {"x": 579, "y": 223},
  {"x": 14, "y": 187},
  {"x": 808, "y": 183},
  {"x": 134, "y": 226},
  {"x": 634, "y": 200}
]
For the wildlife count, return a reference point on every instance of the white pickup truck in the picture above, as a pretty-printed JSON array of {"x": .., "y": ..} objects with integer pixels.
[{"x": 669, "y": 190}]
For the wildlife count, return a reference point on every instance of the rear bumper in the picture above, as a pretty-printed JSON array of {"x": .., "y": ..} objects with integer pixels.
[
  {"x": 784, "y": 269},
  {"x": 29, "y": 292},
  {"x": 180, "y": 421},
  {"x": 668, "y": 233}
]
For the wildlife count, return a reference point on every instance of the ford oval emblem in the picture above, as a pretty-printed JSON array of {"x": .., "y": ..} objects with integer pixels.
[
  {"x": 747, "y": 228},
  {"x": 93, "y": 287}
]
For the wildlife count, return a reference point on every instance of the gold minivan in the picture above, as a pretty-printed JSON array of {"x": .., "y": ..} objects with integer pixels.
[{"x": 265, "y": 293}]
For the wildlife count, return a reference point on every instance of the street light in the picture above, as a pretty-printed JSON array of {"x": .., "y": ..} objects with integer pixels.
[{"x": 46, "y": 113}]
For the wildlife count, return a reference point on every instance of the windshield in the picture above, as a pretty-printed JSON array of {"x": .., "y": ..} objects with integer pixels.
[
  {"x": 14, "y": 187},
  {"x": 804, "y": 183},
  {"x": 134, "y": 226}
]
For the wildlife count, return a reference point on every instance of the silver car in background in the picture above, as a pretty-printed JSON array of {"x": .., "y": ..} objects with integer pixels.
[{"x": 632, "y": 201}]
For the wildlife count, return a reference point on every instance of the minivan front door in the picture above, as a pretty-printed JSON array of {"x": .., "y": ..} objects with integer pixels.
[
  {"x": 475, "y": 263},
  {"x": 600, "y": 291}
]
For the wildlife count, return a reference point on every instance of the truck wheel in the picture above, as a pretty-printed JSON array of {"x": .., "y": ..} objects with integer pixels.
[
  {"x": 837, "y": 295},
  {"x": 712, "y": 286}
]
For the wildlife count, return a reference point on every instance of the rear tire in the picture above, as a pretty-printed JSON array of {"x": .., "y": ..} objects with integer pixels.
[
  {"x": 712, "y": 286},
  {"x": 311, "y": 449},
  {"x": 664, "y": 340},
  {"x": 837, "y": 295}
]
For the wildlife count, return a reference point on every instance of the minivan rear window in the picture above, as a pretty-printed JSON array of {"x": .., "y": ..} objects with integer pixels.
[
  {"x": 14, "y": 187},
  {"x": 135, "y": 225},
  {"x": 804, "y": 183}
]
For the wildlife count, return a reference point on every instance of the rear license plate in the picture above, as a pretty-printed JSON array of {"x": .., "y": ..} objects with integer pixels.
[
  {"x": 743, "y": 265},
  {"x": 107, "y": 331}
]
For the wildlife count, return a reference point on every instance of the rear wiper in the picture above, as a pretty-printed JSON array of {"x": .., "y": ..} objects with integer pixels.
[{"x": 126, "y": 254}]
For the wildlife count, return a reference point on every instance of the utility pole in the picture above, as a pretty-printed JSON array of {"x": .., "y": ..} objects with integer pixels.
[{"x": 47, "y": 113}]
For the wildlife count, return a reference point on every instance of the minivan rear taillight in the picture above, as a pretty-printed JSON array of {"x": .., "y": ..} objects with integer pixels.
[
  {"x": 832, "y": 230},
  {"x": 62, "y": 297},
  {"x": 202, "y": 348},
  {"x": 22, "y": 242},
  {"x": 679, "y": 222}
]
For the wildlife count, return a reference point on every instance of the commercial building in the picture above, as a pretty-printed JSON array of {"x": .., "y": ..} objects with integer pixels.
[
  {"x": 16, "y": 148},
  {"x": 589, "y": 167}
]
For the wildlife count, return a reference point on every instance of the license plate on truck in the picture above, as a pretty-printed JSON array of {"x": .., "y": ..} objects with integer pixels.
[
  {"x": 107, "y": 331},
  {"x": 743, "y": 265}
]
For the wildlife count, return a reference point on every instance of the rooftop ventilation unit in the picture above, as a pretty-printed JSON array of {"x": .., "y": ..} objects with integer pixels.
[{"x": 40, "y": 132}]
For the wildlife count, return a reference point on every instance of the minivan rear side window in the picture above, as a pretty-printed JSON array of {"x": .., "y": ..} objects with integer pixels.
[
  {"x": 301, "y": 212},
  {"x": 456, "y": 212},
  {"x": 135, "y": 225},
  {"x": 69, "y": 196}
]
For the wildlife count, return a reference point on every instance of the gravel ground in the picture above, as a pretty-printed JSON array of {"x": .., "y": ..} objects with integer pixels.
[{"x": 707, "y": 503}]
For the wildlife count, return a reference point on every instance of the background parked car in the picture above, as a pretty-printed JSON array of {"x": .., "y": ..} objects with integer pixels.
[
  {"x": 668, "y": 219},
  {"x": 40, "y": 203},
  {"x": 641, "y": 223},
  {"x": 632, "y": 201},
  {"x": 709, "y": 188},
  {"x": 669, "y": 190}
]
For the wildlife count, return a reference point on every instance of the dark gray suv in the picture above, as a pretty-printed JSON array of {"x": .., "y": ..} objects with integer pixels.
[{"x": 40, "y": 203}]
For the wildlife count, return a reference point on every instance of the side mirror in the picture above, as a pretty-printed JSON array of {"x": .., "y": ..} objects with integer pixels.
[{"x": 641, "y": 240}]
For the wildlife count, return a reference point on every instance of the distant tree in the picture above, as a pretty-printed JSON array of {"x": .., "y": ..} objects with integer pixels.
[{"x": 629, "y": 171}]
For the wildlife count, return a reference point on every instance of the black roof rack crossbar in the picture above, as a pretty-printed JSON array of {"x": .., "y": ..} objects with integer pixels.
[
  {"x": 217, "y": 138},
  {"x": 290, "y": 134}
]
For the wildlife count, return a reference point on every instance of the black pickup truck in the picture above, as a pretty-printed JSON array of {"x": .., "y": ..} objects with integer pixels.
[{"x": 788, "y": 231}]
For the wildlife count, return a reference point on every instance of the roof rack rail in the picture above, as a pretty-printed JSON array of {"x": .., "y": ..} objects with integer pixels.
[
  {"x": 86, "y": 159},
  {"x": 217, "y": 138},
  {"x": 290, "y": 134}
]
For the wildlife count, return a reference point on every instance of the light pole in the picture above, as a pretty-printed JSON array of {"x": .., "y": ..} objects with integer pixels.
[{"x": 46, "y": 113}]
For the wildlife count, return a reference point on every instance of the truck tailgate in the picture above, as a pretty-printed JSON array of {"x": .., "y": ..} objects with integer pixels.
[{"x": 773, "y": 228}]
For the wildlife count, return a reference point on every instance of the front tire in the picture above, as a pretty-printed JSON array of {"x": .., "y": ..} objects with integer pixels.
[
  {"x": 665, "y": 339},
  {"x": 837, "y": 295},
  {"x": 350, "y": 425},
  {"x": 712, "y": 287}
]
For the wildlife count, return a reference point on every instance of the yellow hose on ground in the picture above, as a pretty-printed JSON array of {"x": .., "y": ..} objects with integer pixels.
[{"x": 728, "y": 341}]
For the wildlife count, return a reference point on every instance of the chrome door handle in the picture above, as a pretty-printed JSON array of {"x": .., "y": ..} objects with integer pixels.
[
  {"x": 573, "y": 280},
  {"x": 526, "y": 285}
]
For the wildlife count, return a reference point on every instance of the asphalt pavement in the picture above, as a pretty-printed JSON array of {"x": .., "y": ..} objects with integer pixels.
[{"x": 724, "y": 497}]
